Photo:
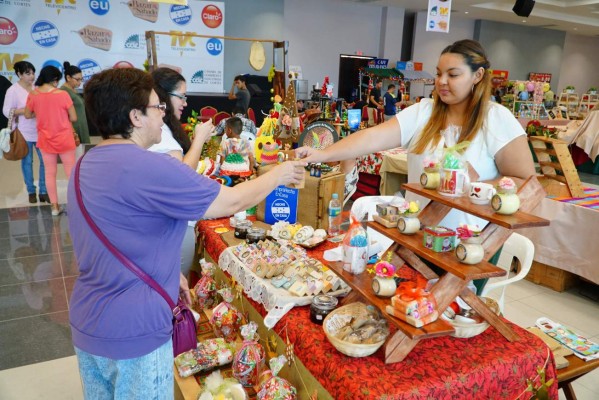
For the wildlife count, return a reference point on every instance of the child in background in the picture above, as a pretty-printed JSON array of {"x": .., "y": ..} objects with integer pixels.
[{"x": 236, "y": 152}]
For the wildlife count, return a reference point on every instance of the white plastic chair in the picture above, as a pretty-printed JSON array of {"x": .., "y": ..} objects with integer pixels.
[{"x": 516, "y": 246}]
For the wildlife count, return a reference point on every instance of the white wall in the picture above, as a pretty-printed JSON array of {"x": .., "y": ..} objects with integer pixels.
[
  {"x": 392, "y": 35},
  {"x": 318, "y": 31},
  {"x": 428, "y": 45},
  {"x": 257, "y": 19},
  {"x": 579, "y": 63}
]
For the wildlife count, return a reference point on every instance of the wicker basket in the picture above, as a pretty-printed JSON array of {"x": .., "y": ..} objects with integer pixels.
[{"x": 343, "y": 315}]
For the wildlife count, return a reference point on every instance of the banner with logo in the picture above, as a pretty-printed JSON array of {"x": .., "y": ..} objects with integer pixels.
[
  {"x": 100, "y": 34},
  {"x": 437, "y": 19}
]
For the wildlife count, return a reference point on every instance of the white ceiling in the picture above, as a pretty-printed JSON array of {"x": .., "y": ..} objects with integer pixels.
[{"x": 576, "y": 16}]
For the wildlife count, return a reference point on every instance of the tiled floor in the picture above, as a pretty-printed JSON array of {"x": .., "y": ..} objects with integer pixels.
[{"x": 37, "y": 271}]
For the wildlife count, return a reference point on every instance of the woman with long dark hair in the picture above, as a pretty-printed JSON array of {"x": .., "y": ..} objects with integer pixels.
[
  {"x": 497, "y": 142},
  {"x": 54, "y": 113},
  {"x": 171, "y": 87}
]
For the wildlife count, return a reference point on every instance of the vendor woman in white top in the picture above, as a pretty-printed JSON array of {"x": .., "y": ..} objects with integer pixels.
[
  {"x": 171, "y": 87},
  {"x": 498, "y": 144}
]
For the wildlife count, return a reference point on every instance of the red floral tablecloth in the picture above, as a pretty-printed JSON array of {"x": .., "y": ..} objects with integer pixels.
[
  {"x": 486, "y": 366},
  {"x": 371, "y": 163}
]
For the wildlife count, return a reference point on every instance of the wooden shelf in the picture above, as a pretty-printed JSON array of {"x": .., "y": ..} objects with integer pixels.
[
  {"x": 514, "y": 221},
  {"x": 445, "y": 260},
  {"x": 362, "y": 283}
]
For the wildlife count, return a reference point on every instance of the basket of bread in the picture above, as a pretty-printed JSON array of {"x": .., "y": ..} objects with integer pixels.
[{"x": 356, "y": 330}]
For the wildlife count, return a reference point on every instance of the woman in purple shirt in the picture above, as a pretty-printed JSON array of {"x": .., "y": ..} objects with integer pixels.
[
  {"x": 141, "y": 201},
  {"x": 16, "y": 98}
]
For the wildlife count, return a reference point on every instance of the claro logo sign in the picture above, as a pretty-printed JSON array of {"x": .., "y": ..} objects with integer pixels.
[
  {"x": 8, "y": 31},
  {"x": 212, "y": 16}
]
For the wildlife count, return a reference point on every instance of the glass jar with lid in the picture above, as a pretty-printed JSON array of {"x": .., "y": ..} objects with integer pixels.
[
  {"x": 242, "y": 228},
  {"x": 321, "y": 306},
  {"x": 254, "y": 235}
]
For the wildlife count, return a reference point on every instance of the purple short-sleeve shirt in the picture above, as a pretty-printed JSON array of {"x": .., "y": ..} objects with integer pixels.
[{"x": 141, "y": 201}]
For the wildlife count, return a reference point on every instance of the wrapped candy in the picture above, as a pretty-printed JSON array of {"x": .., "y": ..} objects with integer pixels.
[
  {"x": 209, "y": 354},
  {"x": 226, "y": 319},
  {"x": 205, "y": 290},
  {"x": 249, "y": 360},
  {"x": 273, "y": 387}
]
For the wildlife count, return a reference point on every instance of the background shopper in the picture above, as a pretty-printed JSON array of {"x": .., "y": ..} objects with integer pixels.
[
  {"x": 54, "y": 113},
  {"x": 16, "y": 98},
  {"x": 72, "y": 81}
]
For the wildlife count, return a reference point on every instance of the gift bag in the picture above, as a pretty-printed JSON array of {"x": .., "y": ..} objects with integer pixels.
[
  {"x": 273, "y": 387},
  {"x": 205, "y": 290},
  {"x": 249, "y": 360},
  {"x": 226, "y": 319},
  {"x": 454, "y": 177},
  {"x": 210, "y": 353}
]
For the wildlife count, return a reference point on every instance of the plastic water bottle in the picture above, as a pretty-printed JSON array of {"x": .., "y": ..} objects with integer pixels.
[{"x": 334, "y": 215}]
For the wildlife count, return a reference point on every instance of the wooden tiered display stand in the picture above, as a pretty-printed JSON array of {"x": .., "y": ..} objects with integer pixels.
[
  {"x": 454, "y": 282},
  {"x": 556, "y": 165}
]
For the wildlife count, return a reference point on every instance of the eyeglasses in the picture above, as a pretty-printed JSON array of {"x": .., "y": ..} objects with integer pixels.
[
  {"x": 161, "y": 106},
  {"x": 180, "y": 96},
  {"x": 77, "y": 79}
]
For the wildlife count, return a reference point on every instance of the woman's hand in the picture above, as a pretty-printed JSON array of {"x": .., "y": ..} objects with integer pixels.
[
  {"x": 203, "y": 131},
  {"x": 184, "y": 290},
  {"x": 309, "y": 155},
  {"x": 289, "y": 172}
]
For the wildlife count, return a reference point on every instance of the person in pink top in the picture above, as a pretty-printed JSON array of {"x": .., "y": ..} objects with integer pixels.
[
  {"x": 54, "y": 112},
  {"x": 16, "y": 97}
]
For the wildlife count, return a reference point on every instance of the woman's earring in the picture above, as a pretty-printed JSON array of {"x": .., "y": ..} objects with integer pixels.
[{"x": 472, "y": 90}]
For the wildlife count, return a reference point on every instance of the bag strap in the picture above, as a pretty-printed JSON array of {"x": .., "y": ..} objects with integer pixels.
[
  {"x": 120, "y": 256},
  {"x": 11, "y": 116}
]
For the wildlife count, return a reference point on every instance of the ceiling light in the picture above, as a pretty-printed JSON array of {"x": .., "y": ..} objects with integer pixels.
[
  {"x": 465, "y": 12},
  {"x": 523, "y": 20}
]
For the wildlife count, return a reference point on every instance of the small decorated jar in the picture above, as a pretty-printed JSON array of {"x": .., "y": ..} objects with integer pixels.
[
  {"x": 321, "y": 306},
  {"x": 430, "y": 178},
  {"x": 408, "y": 224},
  {"x": 470, "y": 250},
  {"x": 383, "y": 286},
  {"x": 506, "y": 201}
]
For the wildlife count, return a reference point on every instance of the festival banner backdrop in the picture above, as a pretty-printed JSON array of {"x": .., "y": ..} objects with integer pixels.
[
  {"x": 437, "y": 19},
  {"x": 100, "y": 34}
]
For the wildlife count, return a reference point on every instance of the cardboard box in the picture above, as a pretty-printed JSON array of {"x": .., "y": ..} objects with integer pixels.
[
  {"x": 314, "y": 198},
  {"x": 551, "y": 277}
]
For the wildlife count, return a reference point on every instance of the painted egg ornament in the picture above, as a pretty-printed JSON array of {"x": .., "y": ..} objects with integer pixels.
[{"x": 530, "y": 87}]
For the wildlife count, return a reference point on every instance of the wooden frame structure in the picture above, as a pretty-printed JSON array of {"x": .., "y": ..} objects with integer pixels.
[
  {"x": 556, "y": 164},
  {"x": 279, "y": 78},
  {"x": 455, "y": 281}
]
